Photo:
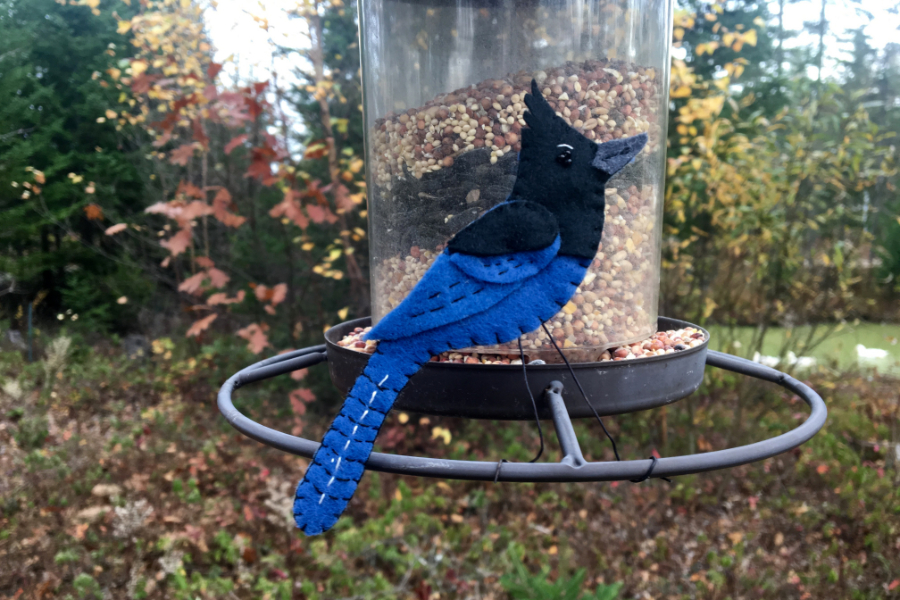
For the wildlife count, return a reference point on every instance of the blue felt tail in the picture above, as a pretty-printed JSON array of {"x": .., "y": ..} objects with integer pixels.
[{"x": 339, "y": 463}]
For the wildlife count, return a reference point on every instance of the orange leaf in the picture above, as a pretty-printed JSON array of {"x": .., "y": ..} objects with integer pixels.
[
  {"x": 299, "y": 399},
  {"x": 179, "y": 242},
  {"x": 320, "y": 214},
  {"x": 255, "y": 336},
  {"x": 93, "y": 212},
  {"x": 213, "y": 70},
  {"x": 279, "y": 293},
  {"x": 235, "y": 142},
  {"x": 192, "y": 284},
  {"x": 342, "y": 198},
  {"x": 195, "y": 209},
  {"x": 222, "y": 298},
  {"x": 290, "y": 209},
  {"x": 893, "y": 585},
  {"x": 170, "y": 209},
  {"x": 218, "y": 278},
  {"x": 182, "y": 154},
  {"x": 262, "y": 293},
  {"x": 199, "y": 134},
  {"x": 269, "y": 309},
  {"x": 299, "y": 374},
  {"x": 200, "y": 326},
  {"x": 205, "y": 262},
  {"x": 822, "y": 469},
  {"x": 221, "y": 206},
  {"x": 116, "y": 229},
  {"x": 189, "y": 189}
]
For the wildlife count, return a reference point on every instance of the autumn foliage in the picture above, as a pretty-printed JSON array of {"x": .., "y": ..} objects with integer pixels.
[{"x": 171, "y": 89}]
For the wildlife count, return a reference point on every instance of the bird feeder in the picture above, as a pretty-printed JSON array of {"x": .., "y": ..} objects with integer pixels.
[
  {"x": 444, "y": 84},
  {"x": 443, "y": 106}
]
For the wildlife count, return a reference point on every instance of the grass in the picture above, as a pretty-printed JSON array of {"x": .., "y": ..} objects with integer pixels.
[
  {"x": 122, "y": 481},
  {"x": 838, "y": 351}
]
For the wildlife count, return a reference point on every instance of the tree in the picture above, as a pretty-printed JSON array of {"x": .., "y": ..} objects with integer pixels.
[{"x": 62, "y": 163}]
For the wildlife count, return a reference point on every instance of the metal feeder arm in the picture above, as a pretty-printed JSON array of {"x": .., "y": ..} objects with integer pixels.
[{"x": 573, "y": 466}]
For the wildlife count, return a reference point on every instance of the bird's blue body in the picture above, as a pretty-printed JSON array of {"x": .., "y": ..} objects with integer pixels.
[{"x": 501, "y": 277}]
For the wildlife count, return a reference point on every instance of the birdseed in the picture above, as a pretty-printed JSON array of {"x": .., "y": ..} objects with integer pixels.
[
  {"x": 658, "y": 344},
  {"x": 438, "y": 167}
]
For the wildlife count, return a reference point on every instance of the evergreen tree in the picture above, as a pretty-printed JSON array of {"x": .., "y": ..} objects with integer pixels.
[{"x": 53, "y": 119}]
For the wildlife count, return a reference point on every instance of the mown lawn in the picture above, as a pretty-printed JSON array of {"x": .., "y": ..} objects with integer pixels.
[
  {"x": 120, "y": 480},
  {"x": 837, "y": 351}
]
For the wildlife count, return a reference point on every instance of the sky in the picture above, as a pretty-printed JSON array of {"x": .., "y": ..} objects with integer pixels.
[{"x": 236, "y": 35}]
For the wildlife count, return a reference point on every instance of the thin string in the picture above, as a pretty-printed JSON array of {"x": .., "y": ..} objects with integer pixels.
[
  {"x": 581, "y": 389},
  {"x": 649, "y": 472},
  {"x": 497, "y": 472},
  {"x": 533, "y": 403}
]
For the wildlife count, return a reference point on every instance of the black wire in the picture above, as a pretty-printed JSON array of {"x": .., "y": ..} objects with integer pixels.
[
  {"x": 537, "y": 419},
  {"x": 581, "y": 389},
  {"x": 649, "y": 473}
]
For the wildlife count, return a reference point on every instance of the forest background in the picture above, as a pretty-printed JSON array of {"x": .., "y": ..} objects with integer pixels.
[{"x": 166, "y": 219}]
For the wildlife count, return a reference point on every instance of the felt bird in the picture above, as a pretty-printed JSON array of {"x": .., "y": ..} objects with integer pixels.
[{"x": 500, "y": 277}]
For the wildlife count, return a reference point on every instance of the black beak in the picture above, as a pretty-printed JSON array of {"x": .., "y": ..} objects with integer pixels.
[{"x": 613, "y": 155}]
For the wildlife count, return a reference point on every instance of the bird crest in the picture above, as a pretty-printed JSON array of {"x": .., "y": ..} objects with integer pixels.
[{"x": 540, "y": 116}]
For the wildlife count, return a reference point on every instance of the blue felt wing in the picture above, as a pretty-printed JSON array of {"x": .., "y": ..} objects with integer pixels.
[
  {"x": 508, "y": 268},
  {"x": 445, "y": 294}
]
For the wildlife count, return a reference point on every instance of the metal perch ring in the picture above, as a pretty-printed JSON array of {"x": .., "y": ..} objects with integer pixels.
[{"x": 573, "y": 466}]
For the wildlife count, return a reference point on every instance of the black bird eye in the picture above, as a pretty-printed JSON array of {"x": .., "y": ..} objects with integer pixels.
[{"x": 564, "y": 157}]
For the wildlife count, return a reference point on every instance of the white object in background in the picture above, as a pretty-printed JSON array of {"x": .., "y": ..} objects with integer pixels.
[
  {"x": 803, "y": 363},
  {"x": 870, "y": 353},
  {"x": 870, "y": 358},
  {"x": 768, "y": 361}
]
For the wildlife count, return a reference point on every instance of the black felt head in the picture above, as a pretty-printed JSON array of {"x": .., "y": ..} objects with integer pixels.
[{"x": 566, "y": 173}]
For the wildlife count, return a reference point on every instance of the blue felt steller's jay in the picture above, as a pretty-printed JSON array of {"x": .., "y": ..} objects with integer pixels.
[{"x": 499, "y": 278}]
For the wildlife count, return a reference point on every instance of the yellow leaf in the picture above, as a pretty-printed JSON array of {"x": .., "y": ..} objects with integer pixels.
[
  {"x": 124, "y": 27},
  {"x": 397, "y": 495},
  {"x": 679, "y": 33},
  {"x": 681, "y": 92},
  {"x": 122, "y": 300},
  {"x": 110, "y": 114},
  {"x": 750, "y": 37},
  {"x": 403, "y": 418},
  {"x": 440, "y": 432},
  {"x": 138, "y": 67},
  {"x": 343, "y": 312},
  {"x": 39, "y": 177},
  {"x": 101, "y": 119}
]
